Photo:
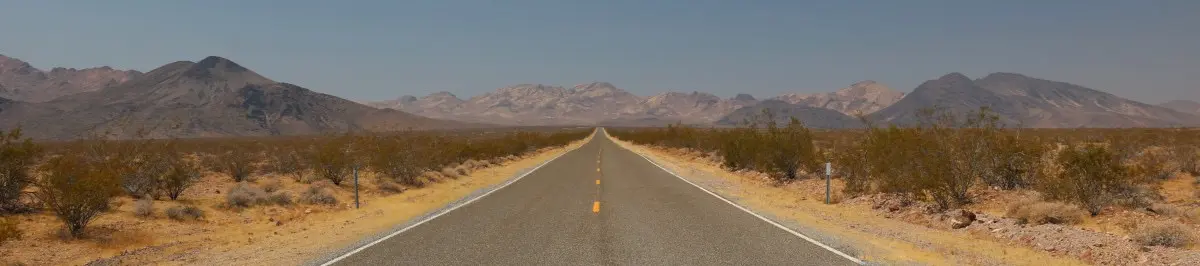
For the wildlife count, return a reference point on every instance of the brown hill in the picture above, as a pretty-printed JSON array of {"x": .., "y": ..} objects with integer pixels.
[
  {"x": 210, "y": 98},
  {"x": 1031, "y": 102},
  {"x": 22, "y": 82}
]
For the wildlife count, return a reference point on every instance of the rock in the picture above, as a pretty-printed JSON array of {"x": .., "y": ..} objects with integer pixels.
[
  {"x": 278, "y": 223},
  {"x": 307, "y": 211},
  {"x": 1144, "y": 249},
  {"x": 961, "y": 218}
]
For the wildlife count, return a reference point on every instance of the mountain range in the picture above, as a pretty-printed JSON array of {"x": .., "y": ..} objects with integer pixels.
[
  {"x": 213, "y": 97},
  {"x": 605, "y": 104},
  {"x": 216, "y": 97}
]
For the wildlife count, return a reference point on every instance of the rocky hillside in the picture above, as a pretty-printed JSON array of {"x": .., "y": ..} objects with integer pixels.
[
  {"x": 1031, "y": 102},
  {"x": 863, "y": 98},
  {"x": 210, "y": 98},
  {"x": 783, "y": 112},
  {"x": 22, "y": 82},
  {"x": 1184, "y": 106}
]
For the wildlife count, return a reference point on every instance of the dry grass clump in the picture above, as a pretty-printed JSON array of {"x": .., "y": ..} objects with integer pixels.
[
  {"x": 317, "y": 195},
  {"x": 143, "y": 207},
  {"x": 1164, "y": 233},
  {"x": 271, "y": 185},
  {"x": 185, "y": 213},
  {"x": 1039, "y": 212},
  {"x": 10, "y": 229},
  {"x": 244, "y": 195}
]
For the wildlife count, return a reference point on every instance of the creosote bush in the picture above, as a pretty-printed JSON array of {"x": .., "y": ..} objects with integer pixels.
[
  {"x": 17, "y": 157},
  {"x": 942, "y": 155},
  {"x": 77, "y": 189}
]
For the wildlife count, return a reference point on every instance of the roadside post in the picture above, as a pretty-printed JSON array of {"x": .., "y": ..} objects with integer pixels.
[
  {"x": 356, "y": 186},
  {"x": 828, "y": 176}
]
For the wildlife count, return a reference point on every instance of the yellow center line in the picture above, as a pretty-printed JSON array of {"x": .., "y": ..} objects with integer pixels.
[{"x": 596, "y": 207}]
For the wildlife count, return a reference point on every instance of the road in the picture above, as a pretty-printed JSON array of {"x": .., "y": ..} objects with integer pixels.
[{"x": 596, "y": 205}]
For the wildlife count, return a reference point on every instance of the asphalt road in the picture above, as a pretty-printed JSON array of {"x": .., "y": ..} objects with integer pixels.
[{"x": 597, "y": 205}]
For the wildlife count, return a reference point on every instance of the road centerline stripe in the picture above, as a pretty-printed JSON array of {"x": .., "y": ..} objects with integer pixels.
[{"x": 596, "y": 207}]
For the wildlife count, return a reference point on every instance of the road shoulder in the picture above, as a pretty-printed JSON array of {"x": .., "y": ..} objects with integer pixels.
[{"x": 860, "y": 232}]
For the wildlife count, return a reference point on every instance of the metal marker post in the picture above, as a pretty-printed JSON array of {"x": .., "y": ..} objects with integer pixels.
[
  {"x": 356, "y": 186},
  {"x": 828, "y": 176}
]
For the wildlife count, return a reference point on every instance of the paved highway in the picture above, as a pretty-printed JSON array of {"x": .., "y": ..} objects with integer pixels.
[{"x": 596, "y": 205}]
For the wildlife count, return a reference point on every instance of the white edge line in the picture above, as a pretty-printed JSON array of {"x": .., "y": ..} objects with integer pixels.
[
  {"x": 785, "y": 228},
  {"x": 435, "y": 216}
]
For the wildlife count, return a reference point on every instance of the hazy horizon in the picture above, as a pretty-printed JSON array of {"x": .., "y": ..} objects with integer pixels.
[{"x": 378, "y": 50}]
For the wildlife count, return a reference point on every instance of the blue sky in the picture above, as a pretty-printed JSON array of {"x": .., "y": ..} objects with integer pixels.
[{"x": 371, "y": 50}]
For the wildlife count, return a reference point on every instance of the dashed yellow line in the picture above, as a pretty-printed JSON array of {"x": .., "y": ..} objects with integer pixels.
[
  {"x": 597, "y": 181},
  {"x": 596, "y": 207}
]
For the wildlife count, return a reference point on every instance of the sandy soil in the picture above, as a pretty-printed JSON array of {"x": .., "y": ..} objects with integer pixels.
[{"x": 260, "y": 235}]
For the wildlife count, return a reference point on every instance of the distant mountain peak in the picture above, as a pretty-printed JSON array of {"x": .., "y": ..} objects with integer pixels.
[
  {"x": 744, "y": 97},
  {"x": 221, "y": 63},
  {"x": 219, "y": 68}
]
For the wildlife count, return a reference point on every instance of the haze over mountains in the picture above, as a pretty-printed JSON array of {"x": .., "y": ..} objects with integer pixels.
[
  {"x": 217, "y": 97},
  {"x": 210, "y": 98}
]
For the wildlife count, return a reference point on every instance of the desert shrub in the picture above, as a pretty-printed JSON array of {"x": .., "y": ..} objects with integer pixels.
[
  {"x": 317, "y": 195},
  {"x": 185, "y": 213},
  {"x": 142, "y": 166},
  {"x": 143, "y": 207},
  {"x": 449, "y": 172},
  {"x": 394, "y": 159},
  {"x": 1188, "y": 158},
  {"x": 1090, "y": 176},
  {"x": 1152, "y": 163},
  {"x": 281, "y": 198},
  {"x": 288, "y": 162},
  {"x": 17, "y": 156},
  {"x": 243, "y": 195},
  {"x": 1038, "y": 212},
  {"x": 76, "y": 190},
  {"x": 1167, "y": 210},
  {"x": 787, "y": 150},
  {"x": 1163, "y": 233},
  {"x": 386, "y": 185},
  {"x": 1015, "y": 161},
  {"x": 235, "y": 160},
  {"x": 180, "y": 175},
  {"x": 10, "y": 229},
  {"x": 271, "y": 185},
  {"x": 331, "y": 161}
]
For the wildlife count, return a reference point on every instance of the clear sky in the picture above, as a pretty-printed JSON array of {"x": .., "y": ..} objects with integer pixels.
[{"x": 370, "y": 50}]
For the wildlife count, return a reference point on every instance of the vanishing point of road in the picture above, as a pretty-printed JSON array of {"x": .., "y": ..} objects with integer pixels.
[{"x": 599, "y": 204}]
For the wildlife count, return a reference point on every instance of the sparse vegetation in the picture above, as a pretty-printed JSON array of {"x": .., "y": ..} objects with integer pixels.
[
  {"x": 317, "y": 195},
  {"x": 185, "y": 213},
  {"x": 1164, "y": 233},
  {"x": 1037, "y": 212},
  {"x": 17, "y": 156},
  {"x": 77, "y": 190},
  {"x": 943, "y": 156},
  {"x": 10, "y": 229},
  {"x": 143, "y": 207}
]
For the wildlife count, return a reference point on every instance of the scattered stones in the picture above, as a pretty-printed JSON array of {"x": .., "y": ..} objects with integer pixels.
[{"x": 961, "y": 218}]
